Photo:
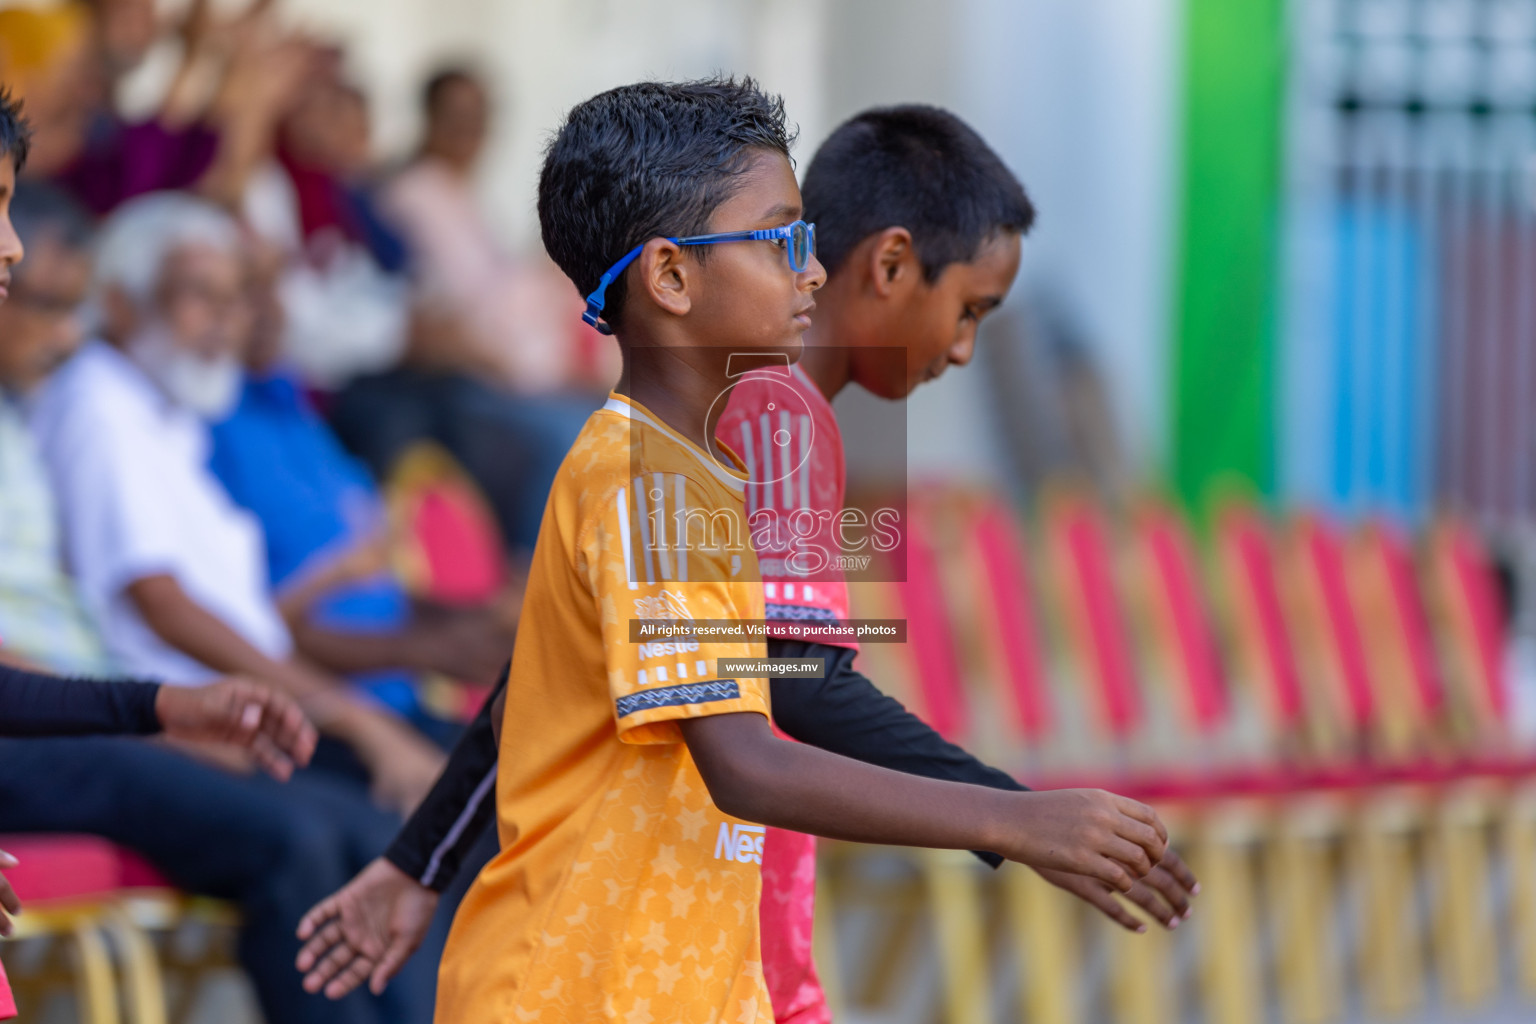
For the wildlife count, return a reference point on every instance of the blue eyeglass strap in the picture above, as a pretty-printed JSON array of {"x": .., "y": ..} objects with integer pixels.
[{"x": 594, "y": 311}]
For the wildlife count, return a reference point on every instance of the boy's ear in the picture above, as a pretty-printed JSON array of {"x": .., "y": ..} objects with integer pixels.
[
  {"x": 664, "y": 276},
  {"x": 892, "y": 260}
]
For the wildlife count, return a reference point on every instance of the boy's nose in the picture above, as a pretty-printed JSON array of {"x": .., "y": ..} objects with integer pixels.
[
  {"x": 814, "y": 274},
  {"x": 11, "y": 250},
  {"x": 961, "y": 351}
]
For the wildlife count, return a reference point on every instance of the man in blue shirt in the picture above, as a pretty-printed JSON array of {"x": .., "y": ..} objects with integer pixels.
[{"x": 319, "y": 510}]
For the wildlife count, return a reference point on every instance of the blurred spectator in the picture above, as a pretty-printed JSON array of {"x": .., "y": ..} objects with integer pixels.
[
  {"x": 495, "y": 370},
  {"x": 41, "y": 618},
  {"x": 126, "y": 29},
  {"x": 212, "y": 129},
  {"x": 512, "y": 445},
  {"x": 173, "y": 573},
  {"x": 324, "y": 523},
  {"x": 45, "y": 60},
  {"x": 521, "y": 321},
  {"x": 325, "y": 146},
  {"x": 223, "y": 833},
  {"x": 346, "y": 304}
]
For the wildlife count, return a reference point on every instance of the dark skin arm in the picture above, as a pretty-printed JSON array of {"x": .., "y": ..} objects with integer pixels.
[
  {"x": 402, "y": 764},
  {"x": 754, "y": 775},
  {"x": 845, "y": 713},
  {"x": 174, "y": 617},
  {"x": 469, "y": 646},
  {"x": 365, "y": 931}
]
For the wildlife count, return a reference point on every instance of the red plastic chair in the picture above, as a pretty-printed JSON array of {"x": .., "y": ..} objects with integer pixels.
[
  {"x": 71, "y": 888},
  {"x": 447, "y": 545}
]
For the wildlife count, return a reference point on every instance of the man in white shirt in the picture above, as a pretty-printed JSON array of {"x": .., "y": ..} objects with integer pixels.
[
  {"x": 271, "y": 849},
  {"x": 172, "y": 571},
  {"x": 110, "y": 431}
]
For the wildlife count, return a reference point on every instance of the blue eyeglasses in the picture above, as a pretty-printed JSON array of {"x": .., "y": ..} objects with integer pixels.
[{"x": 800, "y": 246}]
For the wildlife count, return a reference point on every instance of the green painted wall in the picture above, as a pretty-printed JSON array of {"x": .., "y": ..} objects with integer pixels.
[{"x": 1224, "y": 374}]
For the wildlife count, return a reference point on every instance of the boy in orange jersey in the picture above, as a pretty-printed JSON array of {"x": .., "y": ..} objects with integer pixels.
[{"x": 634, "y": 782}]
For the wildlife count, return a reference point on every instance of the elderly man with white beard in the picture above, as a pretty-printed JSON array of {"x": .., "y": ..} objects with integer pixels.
[
  {"x": 173, "y": 573},
  {"x": 235, "y": 835}
]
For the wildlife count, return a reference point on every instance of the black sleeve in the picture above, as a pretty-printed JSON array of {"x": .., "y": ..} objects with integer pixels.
[
  {"x": 844, "y": 713},
  {"x": 462, "y": 803},
  {"x": 33, "y": 704}
]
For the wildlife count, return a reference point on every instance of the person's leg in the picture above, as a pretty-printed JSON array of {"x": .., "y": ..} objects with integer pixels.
[
  {"x": 273, "y": 849},
  {"x": 379, "y": 416}
]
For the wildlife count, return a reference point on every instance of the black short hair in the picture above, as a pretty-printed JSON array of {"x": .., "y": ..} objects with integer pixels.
[
  {"x": 15, "y": 132},
  {"x": 646, "y": 160},
  {"x": 916, "y": 167}
]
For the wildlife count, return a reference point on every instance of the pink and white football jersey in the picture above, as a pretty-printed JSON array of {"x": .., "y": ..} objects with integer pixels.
[{"x": 783, "y": 428}]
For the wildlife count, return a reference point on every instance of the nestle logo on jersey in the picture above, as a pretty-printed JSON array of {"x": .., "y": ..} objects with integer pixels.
[
  {"x": 740, "y": 843},
  {"x": 663, "y": 650}
]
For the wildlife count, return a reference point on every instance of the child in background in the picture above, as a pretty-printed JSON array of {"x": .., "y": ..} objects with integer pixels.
[
  {"x": 627, "y": 883},
  {"x": 919, "y": 226}
]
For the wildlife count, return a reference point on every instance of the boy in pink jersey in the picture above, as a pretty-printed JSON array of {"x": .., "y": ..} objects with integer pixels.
[{"x": 919, "y": 226}]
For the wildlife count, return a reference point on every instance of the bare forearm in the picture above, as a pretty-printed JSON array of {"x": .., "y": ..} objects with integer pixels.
[
  {"x": 346, "y": 653},
  {"x": 793, "y": 786},
  {"x": 755, "y": 775},
  {"x": 184, "y": 624}
]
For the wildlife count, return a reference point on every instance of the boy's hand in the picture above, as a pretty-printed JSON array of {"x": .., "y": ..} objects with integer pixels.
[
  {"x": 1164, "y": 893},
  {"x": 241, "y": 714},
  {"x": 365, "y": 931},
  {"x": 9, "y": 904},
  {"x": 1111, "y": 839}
]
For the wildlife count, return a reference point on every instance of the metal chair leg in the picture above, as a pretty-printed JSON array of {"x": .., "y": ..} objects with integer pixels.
[
  {"x": 1226, "y": 918},
  {"x": 94, "y": 984},
  {"x": 1519, "y": 849},
  {"x": 1045, "y": 936},
  {"x": 141, "y": 970},
  {"x": 954, "y": 902},
  {"x": 1302, "y": 894},
  {"x": 1390, "y": 953}
]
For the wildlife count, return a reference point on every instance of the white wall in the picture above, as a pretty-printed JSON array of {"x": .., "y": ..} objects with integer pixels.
[
  {"x": 543, "y": 57},
  {"x": 1081, "y": 98}
]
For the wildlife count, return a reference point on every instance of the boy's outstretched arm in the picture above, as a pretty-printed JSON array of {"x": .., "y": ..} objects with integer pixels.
[
  {"x": 754, "y": 775},
  {"x": 843, "y": 712}
]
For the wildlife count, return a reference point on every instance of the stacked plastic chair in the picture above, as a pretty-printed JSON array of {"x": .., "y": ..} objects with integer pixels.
[
  {"x": 76, "y": 892},
  {"x": 1319, "y": 713}
]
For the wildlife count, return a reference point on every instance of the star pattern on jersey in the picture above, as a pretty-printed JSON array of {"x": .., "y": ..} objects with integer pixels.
[{"x": 646, "y": 925}]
